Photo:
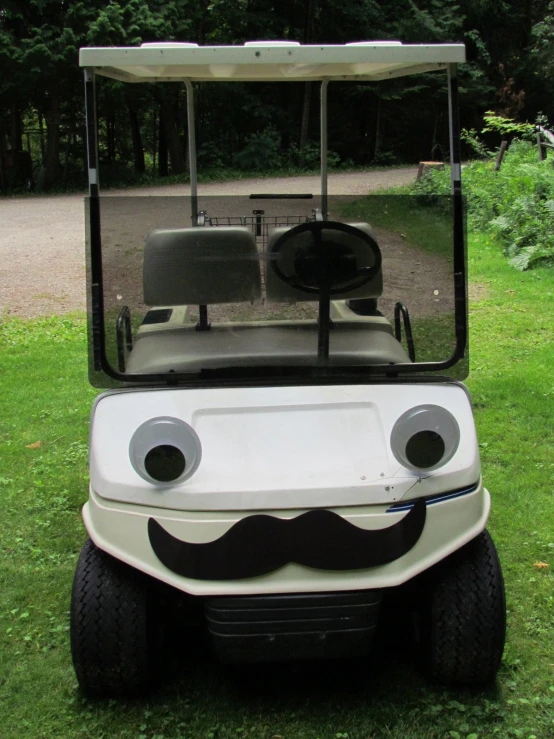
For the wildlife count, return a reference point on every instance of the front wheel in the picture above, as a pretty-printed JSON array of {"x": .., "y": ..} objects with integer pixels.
[
  {"x": 112, "y": 634},
  {"x": 462, "y": 616}
]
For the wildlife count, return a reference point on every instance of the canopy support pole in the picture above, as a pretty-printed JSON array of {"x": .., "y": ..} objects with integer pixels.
[
  {"x": 192, "y": 153},
  {"x": 460, "y": 268},
  {"x": 96, "y": 296},
  {"x": 323, "y": 147}
]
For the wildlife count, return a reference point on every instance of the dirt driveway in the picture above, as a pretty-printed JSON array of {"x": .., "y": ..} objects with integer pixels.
[{"x": 41, "y": 240}]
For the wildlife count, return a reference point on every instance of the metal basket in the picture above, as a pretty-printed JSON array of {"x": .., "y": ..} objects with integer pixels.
[{"x": 258, "y": 222}]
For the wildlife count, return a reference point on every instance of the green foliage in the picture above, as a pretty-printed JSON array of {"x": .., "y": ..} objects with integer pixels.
[
  {"x": 472, "y": 140},
  {"x": 543, "y": 37},
  {"x": 506, "y": 126},
  {"x": 515, "y": 204},
  {"x": 262, "y": 151},
  {"x": 210, "y": 156},
  {"x": 400, "y": 121},
  {"x": 309, "y": 157}
]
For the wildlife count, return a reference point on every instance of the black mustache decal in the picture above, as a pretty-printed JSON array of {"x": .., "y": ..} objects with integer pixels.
[{"x": 260, "y": 544}]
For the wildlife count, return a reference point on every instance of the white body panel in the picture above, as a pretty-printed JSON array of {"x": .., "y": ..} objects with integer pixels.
[
  {"x": 269, "y": 62},
  {"x": 121, "y": 530},
  {"x": 278, "y": 448}
]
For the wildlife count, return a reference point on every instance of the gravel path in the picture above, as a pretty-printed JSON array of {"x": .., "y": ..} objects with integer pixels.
[{"x": 42, "y": 268}]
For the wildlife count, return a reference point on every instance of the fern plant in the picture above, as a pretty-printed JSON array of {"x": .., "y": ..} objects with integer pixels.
[{"x": 516, "y": 203}]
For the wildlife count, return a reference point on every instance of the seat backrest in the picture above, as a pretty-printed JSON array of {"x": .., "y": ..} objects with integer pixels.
[
  {"x": 278, "y": 291},
  {"x": 201, "y": 266}
]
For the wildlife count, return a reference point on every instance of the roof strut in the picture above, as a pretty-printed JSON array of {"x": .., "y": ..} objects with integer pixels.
[
  {"x": 323, "y": 147},
  {"x": 192, "y": 153}
]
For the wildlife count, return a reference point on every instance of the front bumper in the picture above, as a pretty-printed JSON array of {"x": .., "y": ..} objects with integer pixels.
[
  {"x": 121, "y": 529},
  {"x": 280, "y": 628}
]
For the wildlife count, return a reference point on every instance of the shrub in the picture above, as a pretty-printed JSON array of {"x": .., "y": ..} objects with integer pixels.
[
  {"x": 262, "y": 151},
  {"x": 210, "y": 156},
  {"x": 309, "y": 157},
  {"x": 516, "y": 203}
]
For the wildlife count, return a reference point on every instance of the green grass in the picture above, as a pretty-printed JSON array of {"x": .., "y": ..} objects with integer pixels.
[
  {"x": 430, "y": 229},
  {"x": 427, "y": 227},
  {"x": 46, "y": 398}
]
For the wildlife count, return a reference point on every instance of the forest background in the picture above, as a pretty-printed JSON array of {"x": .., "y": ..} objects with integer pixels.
[{"x": 257, "y": 126}]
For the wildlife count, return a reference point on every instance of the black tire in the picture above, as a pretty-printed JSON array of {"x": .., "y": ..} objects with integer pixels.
[
  {"x": 111, "y": 627},
  {"x": 462, "y": 616}
]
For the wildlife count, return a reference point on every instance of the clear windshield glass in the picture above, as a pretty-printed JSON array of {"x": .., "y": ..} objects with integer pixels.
[{"x": 265, "y": 283}]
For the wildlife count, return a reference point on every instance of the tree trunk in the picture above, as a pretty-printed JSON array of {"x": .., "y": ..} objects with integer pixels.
[
  {"x": 52, "y": 166},
  {"x": 42, "y": 144},
  {"x": 173, "y": 141},
  {"x": 200, "y": 24},
  {"x": 163, "y": 169},
  {"x": 68, "y": 145},
  {"x": 138, "y": 149},
  {"x": 305, "y": 124},
  {"x": 16, "y": 132},
  {"x": 435, "y": 131},
  {"x": 377, "y": 149},
  {"x": 3, "y": 177},
  {"x": 110, "y": 131}
]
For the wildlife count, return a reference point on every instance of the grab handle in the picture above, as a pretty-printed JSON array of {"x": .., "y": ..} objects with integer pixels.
[{"x": 401, "y": 310}]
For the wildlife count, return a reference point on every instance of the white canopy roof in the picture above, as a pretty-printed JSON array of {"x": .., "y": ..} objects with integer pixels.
[{"x": 269, "y": 61}]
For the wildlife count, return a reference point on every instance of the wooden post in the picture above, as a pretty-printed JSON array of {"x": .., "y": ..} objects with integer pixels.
[
  {"x": 540, "y": 147},
  {"x": 500, "y": 157}
]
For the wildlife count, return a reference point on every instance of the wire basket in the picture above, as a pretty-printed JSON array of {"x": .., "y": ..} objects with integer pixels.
[{"x": 259, "y": 223}]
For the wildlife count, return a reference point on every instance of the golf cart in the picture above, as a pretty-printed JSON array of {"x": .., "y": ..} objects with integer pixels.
[{"x": 285, "y": 440}]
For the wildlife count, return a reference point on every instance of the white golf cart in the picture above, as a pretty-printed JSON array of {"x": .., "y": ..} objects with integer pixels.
[{"x": 269, "y": 446}]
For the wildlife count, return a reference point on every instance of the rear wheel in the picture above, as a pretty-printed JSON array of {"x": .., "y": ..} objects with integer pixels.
[
  {"x": 462, "y": 616},
  {"x": 112, "y": 631}
]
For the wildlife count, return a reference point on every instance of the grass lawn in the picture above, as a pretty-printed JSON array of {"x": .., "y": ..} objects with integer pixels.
[
  {"x": 427, "y": 227},
  {"x": 43, "y": 483}
]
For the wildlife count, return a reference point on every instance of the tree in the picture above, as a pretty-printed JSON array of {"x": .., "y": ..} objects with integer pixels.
[{"x": 510, "y": 50}]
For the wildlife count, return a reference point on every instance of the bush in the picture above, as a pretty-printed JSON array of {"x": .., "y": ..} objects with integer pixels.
[
  {"x": 262, "y": 151},
  {"x": 309, "y": 157},
  {"x": 210, "y": 157},
  {"x": 516, "y": 203}
]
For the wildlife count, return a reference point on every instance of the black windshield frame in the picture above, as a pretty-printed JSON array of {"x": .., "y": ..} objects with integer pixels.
[{"x": 270, "y": 375}]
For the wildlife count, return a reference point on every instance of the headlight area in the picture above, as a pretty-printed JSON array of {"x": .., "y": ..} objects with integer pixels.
[
  {"x": 425, "y": 438},
  {"x": 165, "y": 451}
]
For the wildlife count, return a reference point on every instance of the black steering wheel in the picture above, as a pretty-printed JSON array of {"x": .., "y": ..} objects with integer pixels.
[{"x": 324, "y": 262}]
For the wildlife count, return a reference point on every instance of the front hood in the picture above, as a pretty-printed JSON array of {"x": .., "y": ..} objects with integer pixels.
[{"x": 279, "y": 448}]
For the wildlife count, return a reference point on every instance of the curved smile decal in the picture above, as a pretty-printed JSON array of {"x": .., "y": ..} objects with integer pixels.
[{"x": 260, "y": 544}]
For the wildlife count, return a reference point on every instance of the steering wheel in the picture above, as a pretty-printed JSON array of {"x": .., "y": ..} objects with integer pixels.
[{"x": 324, "y": 262}]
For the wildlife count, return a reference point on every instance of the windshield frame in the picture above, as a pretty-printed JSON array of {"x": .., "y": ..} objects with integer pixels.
[{"x": 279, "y": 374}]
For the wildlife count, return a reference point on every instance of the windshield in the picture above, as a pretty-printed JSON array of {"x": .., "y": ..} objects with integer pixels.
[{"x": 263, "y": 286}]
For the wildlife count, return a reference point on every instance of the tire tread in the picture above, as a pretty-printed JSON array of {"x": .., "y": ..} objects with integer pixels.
[
  {"x": 109, "y": 626},
  {"x": 466, "y": 625}
]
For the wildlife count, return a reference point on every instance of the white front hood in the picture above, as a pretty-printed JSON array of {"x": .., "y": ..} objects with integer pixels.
[{"x": 279, "y": 448}]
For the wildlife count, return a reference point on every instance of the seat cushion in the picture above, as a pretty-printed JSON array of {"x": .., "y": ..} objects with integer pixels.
[
  {"x": 201, "y": 266},
  {"x": 187, "y": 350}
]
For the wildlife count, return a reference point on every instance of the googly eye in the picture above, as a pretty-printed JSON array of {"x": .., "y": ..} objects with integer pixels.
[
  {"x": 165, "y": 451},
  {"x": 425, "y": 438}
]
